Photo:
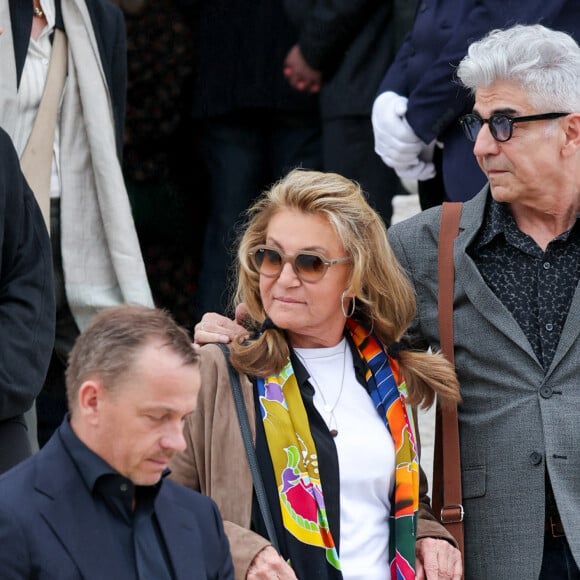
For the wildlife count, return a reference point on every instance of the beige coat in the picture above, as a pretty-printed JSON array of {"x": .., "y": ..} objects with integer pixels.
[{"x": 215, "y": 460}]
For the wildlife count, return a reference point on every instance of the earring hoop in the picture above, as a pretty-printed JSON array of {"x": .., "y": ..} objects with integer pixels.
[{"x": 352, "y": 306}]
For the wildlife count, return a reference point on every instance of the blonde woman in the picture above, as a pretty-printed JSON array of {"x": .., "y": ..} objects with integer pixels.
[{"x": 328, "y": 387}]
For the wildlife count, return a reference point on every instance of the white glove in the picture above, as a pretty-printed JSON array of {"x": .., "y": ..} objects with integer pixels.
[
  {"x": 421, "y": 171},
  {"x": 395, "y": 140},
  {"x": 423, "y": 168}
]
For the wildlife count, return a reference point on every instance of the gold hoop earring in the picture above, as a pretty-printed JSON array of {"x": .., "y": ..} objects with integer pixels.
[{"x": 352, "y": 306}]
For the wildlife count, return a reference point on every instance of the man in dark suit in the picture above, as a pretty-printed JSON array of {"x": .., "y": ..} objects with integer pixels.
[
  {"x": 342, "y": 50},
  {"x": 251, "y": 127},
  {"x": 93, "y": 502}
]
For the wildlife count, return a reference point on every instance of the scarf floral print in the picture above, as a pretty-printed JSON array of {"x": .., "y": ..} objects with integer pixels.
[{"x": 295, "y": 459}]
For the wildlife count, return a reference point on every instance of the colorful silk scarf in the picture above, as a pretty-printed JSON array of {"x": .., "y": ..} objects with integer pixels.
[
  {"x": 388, "y": 391},
  {"x": 295, "y": 459}
]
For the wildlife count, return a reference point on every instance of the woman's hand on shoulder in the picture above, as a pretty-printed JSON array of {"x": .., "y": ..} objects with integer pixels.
[
  {"x": 269, "y": 565},
  {"x": 437, "y": 559},
  {"x": 214, "y": 327}
]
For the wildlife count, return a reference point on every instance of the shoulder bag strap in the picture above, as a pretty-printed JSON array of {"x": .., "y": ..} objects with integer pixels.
[
  {"x": 250, "y": 449},
  {"x": 447, "y": 498},
  {"x": 36, "y": 160}
]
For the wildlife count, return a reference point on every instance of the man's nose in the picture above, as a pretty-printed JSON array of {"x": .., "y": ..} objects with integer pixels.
[
  {"x": 173, "y": 438},
  {"x": 485, "y": 144}
]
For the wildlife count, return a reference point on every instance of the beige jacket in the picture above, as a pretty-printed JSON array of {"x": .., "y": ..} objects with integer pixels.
[{"x": 215, "y": 461}]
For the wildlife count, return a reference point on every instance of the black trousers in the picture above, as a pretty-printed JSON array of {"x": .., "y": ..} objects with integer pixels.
[{"x": 558, "y": 562}]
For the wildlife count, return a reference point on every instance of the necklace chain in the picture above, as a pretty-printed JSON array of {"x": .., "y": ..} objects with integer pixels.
[
  {"x": 37, "y": 11},
  {"x": 332, "y": 424}
]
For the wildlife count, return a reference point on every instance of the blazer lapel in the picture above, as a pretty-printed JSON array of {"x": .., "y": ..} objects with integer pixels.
[
  {"x": 571, "y": 331},
  {"x": 69, "y": 510},
  {"x": 181, "y": 535},
  {"x": 468, "y": 278},
  {"x": 13, "y": 45},
  {"x": 21, "y": 25}
]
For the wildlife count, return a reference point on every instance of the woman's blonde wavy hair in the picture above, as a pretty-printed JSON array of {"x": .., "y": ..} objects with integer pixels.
[{"x": 385, "y": 301}]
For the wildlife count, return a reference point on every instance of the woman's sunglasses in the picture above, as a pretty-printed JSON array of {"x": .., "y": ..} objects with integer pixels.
[{"x": 308, "y": 266}]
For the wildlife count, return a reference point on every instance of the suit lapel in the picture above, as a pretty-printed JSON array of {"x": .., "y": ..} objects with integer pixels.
[
  {"x": 469, "y": 279},
  {"x": 21, "y": 24},
  {"x": 181, "y": 534},
  {"x": 69, "y": 510},
  {"x": 13, "y": 45},
  {"x": 571, "y": 331}
]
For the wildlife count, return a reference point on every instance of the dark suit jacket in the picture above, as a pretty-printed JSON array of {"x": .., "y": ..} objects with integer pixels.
[
  {"x": 26, "y": 289},
  {"x": 424, "y": 67},
  {"x": 351, "y": 42},
  {"x": 49, "y": 527},
  {"x": 109, "y": 28},
  {"x": 239, "y": 54}
]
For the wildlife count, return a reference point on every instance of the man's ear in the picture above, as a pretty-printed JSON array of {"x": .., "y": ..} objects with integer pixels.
[
  {"x": 90, "y": 398},
  {"x": 572, "y": 131}
]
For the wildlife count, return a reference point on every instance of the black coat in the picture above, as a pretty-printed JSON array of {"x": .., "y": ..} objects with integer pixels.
[
  {"x": 27, "y": 310},
  {"x": 240, "y": 47},
  {"x": 352, "y": 43}
]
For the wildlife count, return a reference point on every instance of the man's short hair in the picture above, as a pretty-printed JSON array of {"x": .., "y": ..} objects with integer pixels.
[{"x": 107, "y": 348}]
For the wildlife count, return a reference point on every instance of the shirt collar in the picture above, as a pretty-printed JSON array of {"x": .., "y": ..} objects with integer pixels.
[
  {"x": 498, "y": 220},
  {"x": 90, "y": 465}
]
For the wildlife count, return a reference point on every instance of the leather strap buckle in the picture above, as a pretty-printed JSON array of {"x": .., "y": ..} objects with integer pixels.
[
  {"x": 452, "y": 513},
  {"x": 554, "y": 526}
]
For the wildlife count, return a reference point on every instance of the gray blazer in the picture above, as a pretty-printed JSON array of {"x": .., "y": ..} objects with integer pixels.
[{"x": 515, "y": 419}]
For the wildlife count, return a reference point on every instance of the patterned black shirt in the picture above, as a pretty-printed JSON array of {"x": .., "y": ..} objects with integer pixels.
[{"x": 536, "y": 286}]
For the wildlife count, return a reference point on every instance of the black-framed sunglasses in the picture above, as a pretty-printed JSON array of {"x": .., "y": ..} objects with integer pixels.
[
  {"x": 501, "y": 126},
  {"x": 308, "y": 266}
]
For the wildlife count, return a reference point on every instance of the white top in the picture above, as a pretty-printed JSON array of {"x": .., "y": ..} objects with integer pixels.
[
  {"x": 366, "y": 460},
  {"x": 30, "y": 92}
]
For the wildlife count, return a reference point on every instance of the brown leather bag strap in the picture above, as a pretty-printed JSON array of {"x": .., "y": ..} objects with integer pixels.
[{"x": 447, "y": 498}]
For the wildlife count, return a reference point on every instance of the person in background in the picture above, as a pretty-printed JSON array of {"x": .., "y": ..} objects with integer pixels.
[
  {"x": 342, "y": 51},
  {"x": 93, "y": 502},
  {"x": 516, "y": 305},
  {"x": 96, "y": 255},
  {"x": 327, "y": 385},
  {"x": 415, "y": 115},
  {"x": 26, "y": 305},
  {"x": 252, "y": 127}
]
